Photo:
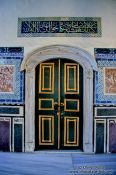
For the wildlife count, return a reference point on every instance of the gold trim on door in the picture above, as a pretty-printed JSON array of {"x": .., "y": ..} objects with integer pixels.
[
  {"x": 67, "y": 89},
  {"x": 57, "y": 102},
  {"x": 67, "y": 141},
  {"x": 50, "y": 88},
  {"x": 50, "y": 119},
  {"x": 46, "y": 99}
]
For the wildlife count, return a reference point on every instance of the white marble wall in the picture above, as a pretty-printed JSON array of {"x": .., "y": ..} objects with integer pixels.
[{"x": 10, "y": 10}]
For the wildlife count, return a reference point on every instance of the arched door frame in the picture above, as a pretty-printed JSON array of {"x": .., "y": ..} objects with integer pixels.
[{"x": 66, "y": 52}]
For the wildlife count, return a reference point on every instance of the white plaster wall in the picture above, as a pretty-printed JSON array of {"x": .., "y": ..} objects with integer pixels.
[{"x": 10, "y": 10}]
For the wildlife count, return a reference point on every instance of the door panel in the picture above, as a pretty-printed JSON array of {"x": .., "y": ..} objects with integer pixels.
[
  {"x": 71, "y": 105},
  {"x": 72, "y": 111},
  {"x": 46, "y": 130},
  {"x": 71, "y": 78},
  {"x": 46, "y": 84},
  {"x": 59, "y": 103},
  {"x": 5, "y": 135},
  {"x": 71, "y": 131},
  {"x": 18, "y": 137},
  {"x": 46, "y": 116},
  {"x": 112, "y": 136}
]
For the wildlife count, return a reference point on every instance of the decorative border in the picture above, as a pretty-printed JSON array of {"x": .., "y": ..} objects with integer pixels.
[
  {"x": 13, "y": 56},
  {"x": 55, "y": 26},
  {"x": 11, "y": 51},
  {"x": 95, "y": 122},
  {"x": 109, "y": 53},
  {"x": 18, "y": 121},
  {"x": 21, "y": 111}
]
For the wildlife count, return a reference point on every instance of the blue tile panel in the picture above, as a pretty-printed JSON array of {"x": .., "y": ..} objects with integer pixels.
[
  {"x": 105, "y": 58},
  {"x": 59, "y": 26},
  {"x": 13, "y": 56},
  {"x": 9, "y": 110}
]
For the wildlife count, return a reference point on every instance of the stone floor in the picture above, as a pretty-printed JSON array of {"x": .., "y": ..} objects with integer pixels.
[{"x": 57, "y": 163}]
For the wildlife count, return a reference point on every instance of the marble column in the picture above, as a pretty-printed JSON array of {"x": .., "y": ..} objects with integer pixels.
[
  {"x": 88, "y": 112},
  {"x": 30, "y": 111}
]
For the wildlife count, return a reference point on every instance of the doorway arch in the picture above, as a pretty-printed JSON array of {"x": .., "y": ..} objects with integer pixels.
[{"x": 88, "y": 64}]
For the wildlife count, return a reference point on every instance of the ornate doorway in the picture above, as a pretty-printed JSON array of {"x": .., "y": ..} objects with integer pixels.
[
  {"x": 59, "y": 105},
  {"x": 29, "y": 64}
]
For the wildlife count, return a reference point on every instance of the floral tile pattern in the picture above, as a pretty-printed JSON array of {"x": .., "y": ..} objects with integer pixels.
[
  {"x": 6, "y": 78},
  {"x": 11, "y": 78},
  {"x": 110, "y": 81}
]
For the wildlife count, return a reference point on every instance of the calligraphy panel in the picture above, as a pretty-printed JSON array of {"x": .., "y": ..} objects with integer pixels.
[{"x": 59, "y": 26}]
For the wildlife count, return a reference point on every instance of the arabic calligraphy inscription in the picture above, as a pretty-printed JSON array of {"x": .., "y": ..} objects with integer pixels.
[{"x": 57, "y": 27}]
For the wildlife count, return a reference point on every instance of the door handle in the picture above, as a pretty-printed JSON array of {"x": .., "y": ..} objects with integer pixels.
[{"x": 58, "y": 108}]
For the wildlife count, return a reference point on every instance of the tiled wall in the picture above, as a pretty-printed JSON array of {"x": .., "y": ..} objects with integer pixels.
[
  {"x": 105, "y": 78},
  {"x": 11, "y": 78},
  {"x": 11, "y": 99},
  {"x": 105, "y": 101}
]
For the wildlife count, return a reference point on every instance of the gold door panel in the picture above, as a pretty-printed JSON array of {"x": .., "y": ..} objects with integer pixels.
[
  {"x": 71, "y": 78},
  {"x": 46, "y": 104},
  {"x": 71, "y": 105},
  {"x": 46, "y": 130},
  {"x": 46, "y": 73},
  {"x": 69, "y": 128}
]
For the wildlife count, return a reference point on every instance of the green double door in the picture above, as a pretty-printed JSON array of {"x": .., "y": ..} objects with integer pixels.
[{"x": 59, "y": 105}]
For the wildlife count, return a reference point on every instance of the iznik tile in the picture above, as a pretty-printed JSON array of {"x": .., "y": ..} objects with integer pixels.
[
  {"x": 110, "y": 80},
  {"x": 105, "y": 78},
  {"x": 6, "y": 78},
  {"x": 11, "y": 78}
]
